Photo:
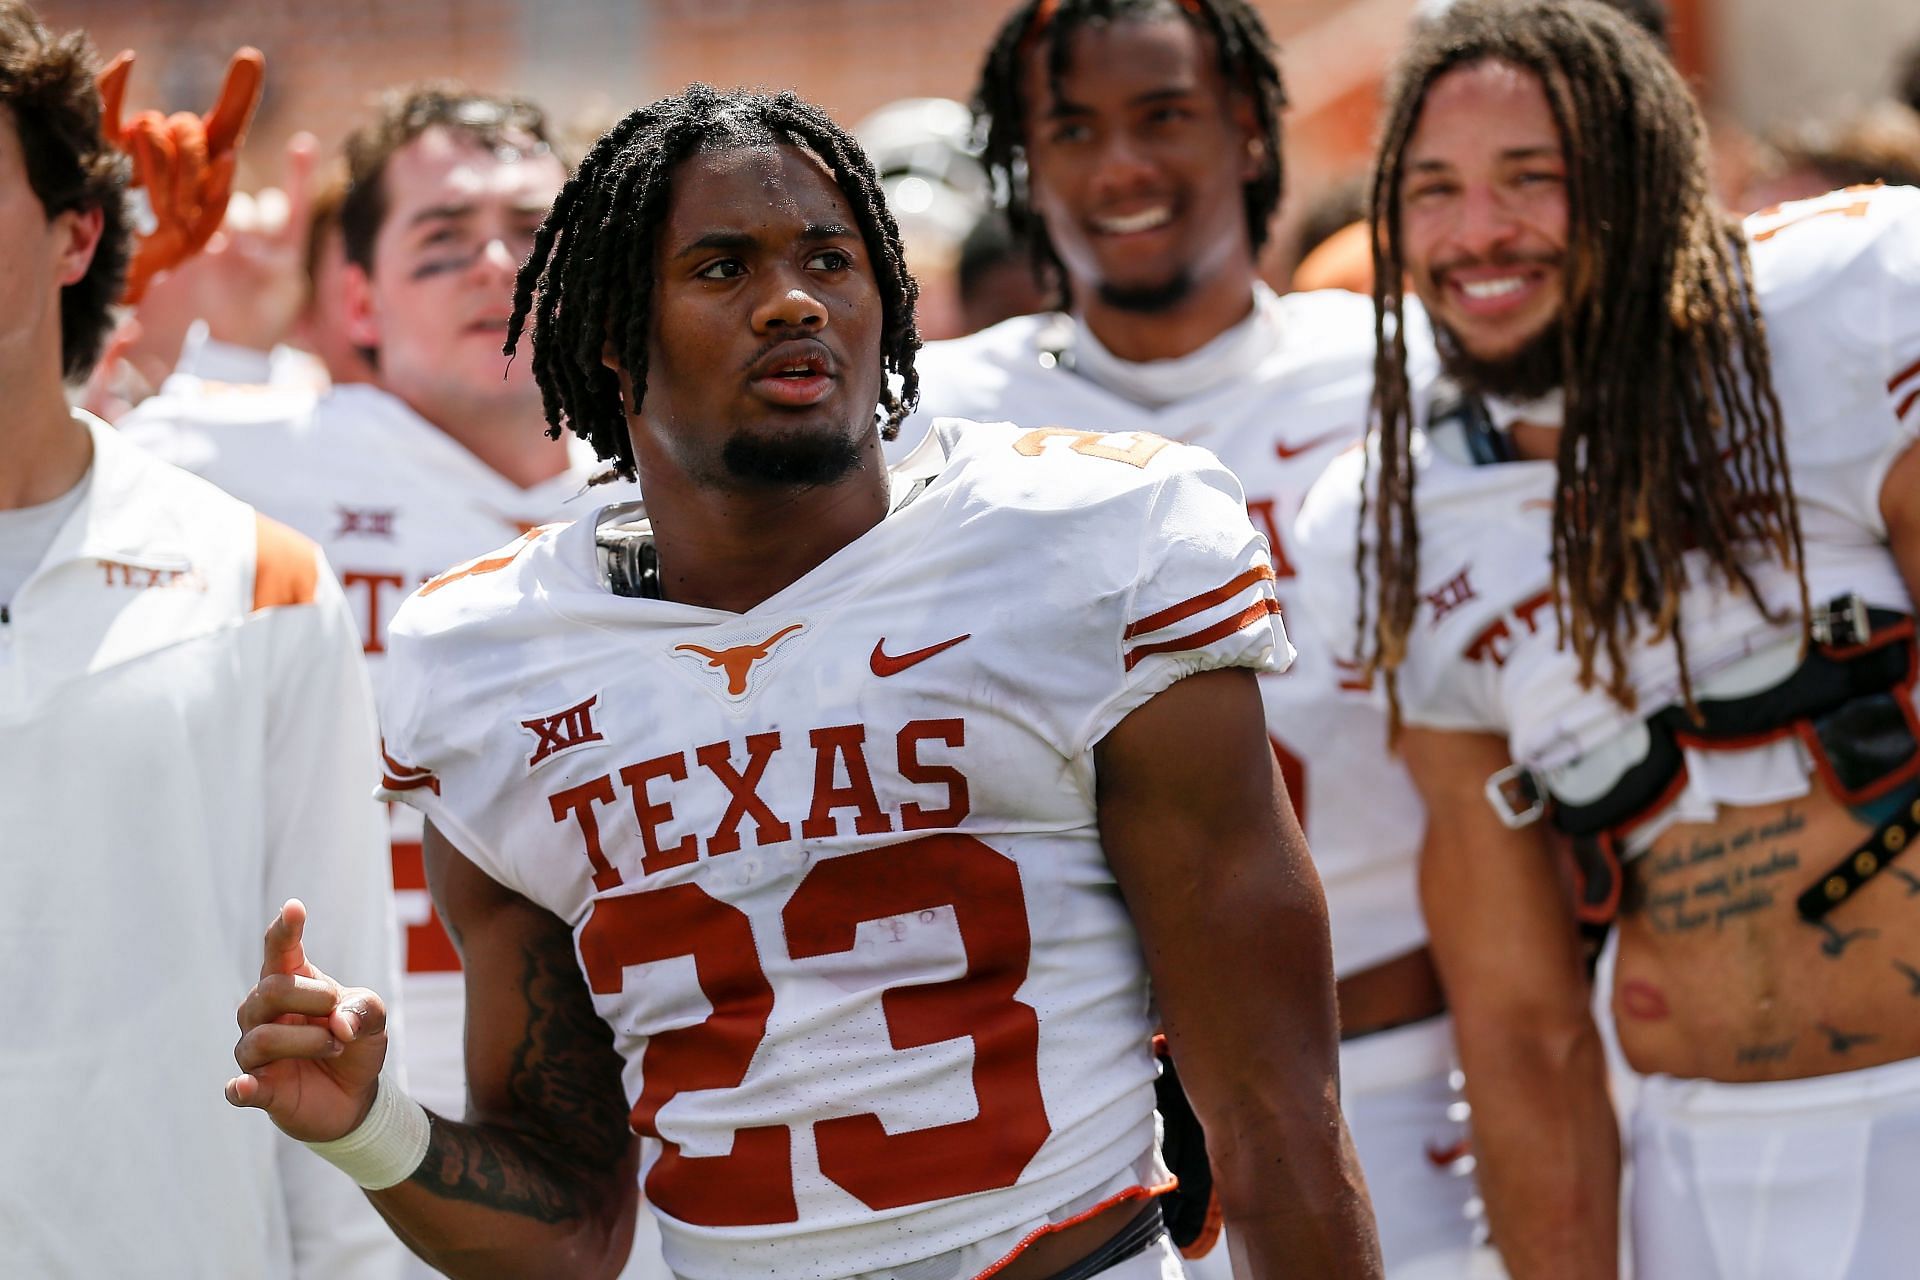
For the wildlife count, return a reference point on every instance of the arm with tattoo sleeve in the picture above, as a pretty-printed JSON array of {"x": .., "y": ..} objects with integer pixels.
[{"x": 540, "y": 1177}]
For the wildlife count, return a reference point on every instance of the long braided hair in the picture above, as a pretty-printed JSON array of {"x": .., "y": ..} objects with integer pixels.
[
  {"x": 1248, "y": 63},
  {"x": 589, "y": 280},
  {"x": 1673, "y": 438}
]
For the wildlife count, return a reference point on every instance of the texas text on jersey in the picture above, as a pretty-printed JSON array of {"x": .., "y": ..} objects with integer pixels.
[{"x": 832, "y": 864}]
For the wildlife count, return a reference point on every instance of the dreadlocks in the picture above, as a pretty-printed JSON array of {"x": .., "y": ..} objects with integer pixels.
[
  {"x": 589, "y": 281},
  {"x": 1673, "y": 437},
  {"x": 1248, "y": 63}
]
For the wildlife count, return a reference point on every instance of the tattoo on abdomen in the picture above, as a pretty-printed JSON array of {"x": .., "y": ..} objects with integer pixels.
[
  {"x": 1715, "y": 882},
  {"x": 1835, "y": 943},
  {"x": 570, "y": 1111},
  {"x": 1842, "y": 1042},
  {"x": 1757, "y": 1054},
  {"x": 1912, "y": 976}
]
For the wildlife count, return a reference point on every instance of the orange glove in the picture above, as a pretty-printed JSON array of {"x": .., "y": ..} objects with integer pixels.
[{"x": 184, "y": 163}]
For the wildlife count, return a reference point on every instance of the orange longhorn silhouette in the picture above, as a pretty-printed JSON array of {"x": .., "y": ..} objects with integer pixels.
[{"x": 739, "y": 660}]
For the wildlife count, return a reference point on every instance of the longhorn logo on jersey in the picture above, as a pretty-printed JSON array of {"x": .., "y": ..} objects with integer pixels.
[{"x": 736, "y": 663}]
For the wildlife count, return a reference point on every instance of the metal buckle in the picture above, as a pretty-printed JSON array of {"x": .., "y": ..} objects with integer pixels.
[
  {"x": 1842, "y": 622},
  {"x": 1516, "y": 797}
]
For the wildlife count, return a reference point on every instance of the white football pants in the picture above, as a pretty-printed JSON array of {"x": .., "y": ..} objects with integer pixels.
[{"x": 1789, "y": 1180}]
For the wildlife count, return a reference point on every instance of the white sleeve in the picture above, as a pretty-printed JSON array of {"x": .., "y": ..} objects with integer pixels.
[
  {"x": 1324, "y": 540},
  {"x": 1203, "y": 596},
  {"x": 325, "y": 843},
  {"x": 1901, "y": 256}
]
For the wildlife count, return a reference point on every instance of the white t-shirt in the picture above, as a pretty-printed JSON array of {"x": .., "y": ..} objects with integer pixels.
[
  {"x": 1276, "y": 398},
  {"x": 832, "y": 864},
  {"x": 27, "y": 532}
]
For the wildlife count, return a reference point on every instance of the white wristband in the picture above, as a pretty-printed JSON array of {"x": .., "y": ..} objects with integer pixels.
[{"x": 387, "y": 1146}]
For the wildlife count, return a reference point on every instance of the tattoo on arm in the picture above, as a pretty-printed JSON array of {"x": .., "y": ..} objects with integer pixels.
[
  {"x": 570, "y": 1112},
  {"x": 1908, "y": 879}
]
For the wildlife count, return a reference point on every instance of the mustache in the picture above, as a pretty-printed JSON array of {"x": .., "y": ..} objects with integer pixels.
[{"x": 1474, "y": 261}]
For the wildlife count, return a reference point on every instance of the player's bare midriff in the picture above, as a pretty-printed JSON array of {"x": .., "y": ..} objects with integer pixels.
[
  {"x": 1719, "y": 977},
  {"x": 1058, "y": 1250}
]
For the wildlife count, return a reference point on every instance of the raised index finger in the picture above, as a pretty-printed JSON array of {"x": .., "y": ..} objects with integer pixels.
[{"x": 285, "y": 952}]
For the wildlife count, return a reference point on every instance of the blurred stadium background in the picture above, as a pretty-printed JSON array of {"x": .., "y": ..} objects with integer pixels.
[{"x": 1759, "y": 64}]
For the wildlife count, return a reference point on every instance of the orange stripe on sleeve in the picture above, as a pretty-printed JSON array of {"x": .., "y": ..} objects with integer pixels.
[
  {"x": 1201, "y": 639},
  {"x": 1200, "y": 603},
  {"x": 1893, "y": 383},
  {"x": 404, "y": 777},
  {"x": 492, "y": 563},
  {"x": 286, "y": 566}
]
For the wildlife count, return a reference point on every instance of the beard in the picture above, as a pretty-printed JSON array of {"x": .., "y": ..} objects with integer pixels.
[
  {"x": 1529, "y": 373},
  {"x": 796, "y": 459},
  {"x": 1148, "y": 299}
]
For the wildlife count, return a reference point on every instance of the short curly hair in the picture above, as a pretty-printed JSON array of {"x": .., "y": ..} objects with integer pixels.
[
  {"x": 48, "y": 86},
  {"x": 589, "y": 281},
  {"x": 403, "y": 115}
]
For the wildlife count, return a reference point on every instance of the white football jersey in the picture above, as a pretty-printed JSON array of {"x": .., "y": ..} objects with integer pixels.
[
  {"x": 832, "y": 863},
  {"x": 392, "y": 500},
  {"x": 1839, "y": 283},
  {"x": 1276, "y": 399}
]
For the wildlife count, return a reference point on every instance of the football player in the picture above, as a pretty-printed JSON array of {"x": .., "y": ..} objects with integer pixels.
[
  {"x": 1646, "y": 592},
  {"x": 826, "y": 827},
  {"x": 1140, "y": 142}
]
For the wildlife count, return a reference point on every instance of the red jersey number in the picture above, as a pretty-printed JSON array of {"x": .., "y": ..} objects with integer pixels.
[{"x": 883, "y": 1170}]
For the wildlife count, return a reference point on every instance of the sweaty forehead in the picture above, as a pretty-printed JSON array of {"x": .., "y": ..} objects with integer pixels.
[
  {"x": 444, "y": 168},
  {"x": 761, "y": 190}
]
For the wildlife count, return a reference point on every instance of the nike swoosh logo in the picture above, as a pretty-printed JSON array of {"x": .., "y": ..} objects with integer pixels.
[
  {"x": 1284, "y": 453},
  {"x": 884, "y": 666}
]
